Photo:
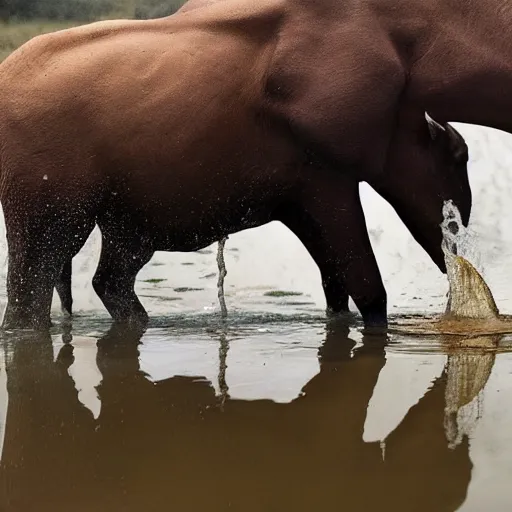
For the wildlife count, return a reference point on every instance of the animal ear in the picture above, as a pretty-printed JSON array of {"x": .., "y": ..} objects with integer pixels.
[
  {"x": 434, "y": 127},
  {"x": 457, "y": 145}
]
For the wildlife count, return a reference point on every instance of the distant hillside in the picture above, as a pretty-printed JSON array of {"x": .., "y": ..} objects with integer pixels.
[
  {"x": 20, "y": 20},
  {"x": 85, "y": 10},
  {"x": 144, "y": 9}
]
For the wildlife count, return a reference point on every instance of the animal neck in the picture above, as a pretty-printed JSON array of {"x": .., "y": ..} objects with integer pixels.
[{"x": 461, "y": 69}]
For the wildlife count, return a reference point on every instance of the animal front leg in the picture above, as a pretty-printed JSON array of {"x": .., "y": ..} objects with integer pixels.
[{"x": 336, "y": 221}]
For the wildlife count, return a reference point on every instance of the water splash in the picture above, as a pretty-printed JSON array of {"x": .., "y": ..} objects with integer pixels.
[
  {"x": 457, "y": 239},
  {"x": 468, "y": 296},
  {"x": 471, "y": 309},
  {"x": 222, "y": 275}
]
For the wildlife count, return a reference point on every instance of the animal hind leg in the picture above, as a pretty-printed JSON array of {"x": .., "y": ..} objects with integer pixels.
[
  {"x": 37, "y": 250},
  {"x": 63, "y": 287},
  {"x": 336, "y": 295},
  {"x": 31, "y": 274},
  {"x": 64, "y": 282},
  {"x": 122, "y": 257}
]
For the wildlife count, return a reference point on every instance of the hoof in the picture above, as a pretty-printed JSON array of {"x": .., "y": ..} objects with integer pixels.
[
  {"x": 132, "y": 323},
  {"x": 375, "y": 329},
  {"x": 347, "y": 318},
  {"x": 339, "y": 313},
  {"x": 67, "y": 312}
]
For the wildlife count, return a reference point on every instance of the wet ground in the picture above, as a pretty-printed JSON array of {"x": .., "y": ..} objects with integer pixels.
[{"x": 278, "y": 408}]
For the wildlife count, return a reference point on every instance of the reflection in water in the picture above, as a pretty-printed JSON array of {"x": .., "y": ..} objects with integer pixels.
[
  {"x": 468, "y": 372},
  {"x": 169, "y": 445},
  {"x": 223, "y": 356},
  {"x": 4, "y": 398}
]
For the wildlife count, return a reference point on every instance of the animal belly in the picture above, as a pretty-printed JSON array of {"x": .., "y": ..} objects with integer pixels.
[
  {"x": 199, "y": 171},
  {"x": 178, "y": 150},
  {"x": 190, "y": 224}
]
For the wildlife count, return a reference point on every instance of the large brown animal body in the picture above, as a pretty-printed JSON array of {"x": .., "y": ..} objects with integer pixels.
[{"x": 172, "y": 133}]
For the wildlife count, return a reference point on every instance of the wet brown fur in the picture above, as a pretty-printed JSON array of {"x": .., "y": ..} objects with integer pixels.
[{"x": 172, "y": 133}]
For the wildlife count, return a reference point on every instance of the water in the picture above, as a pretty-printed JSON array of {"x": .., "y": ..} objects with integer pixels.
[
  {"x": 471, "y": 310},
  {"x": 468, "y": 294},
  {"x": 276, "y": 408}
]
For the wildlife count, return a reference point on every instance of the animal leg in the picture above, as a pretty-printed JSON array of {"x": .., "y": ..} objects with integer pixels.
[
  {"x": 31, "y": 275},
  {"x": 334, "y": 220},
  {"x": 38, "y": 249},
  {"x": 333, "y": 283},
  {"x": 121, "y": 260},
  {"x": 63, "y": 284},
  {"x": 63, "y": 287}
]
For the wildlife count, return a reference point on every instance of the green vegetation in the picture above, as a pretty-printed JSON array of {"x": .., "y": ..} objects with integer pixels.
[
  {"x": 21, "y": 20},
  {"x": 86, "y": 10},
  {"x": 154, "y": 281},
  {"x": 281, "y": 293},
  {"x": 13, "y": 35},
  {"x": 82, "y": 10},
  {"x": 146, "y": 9}
]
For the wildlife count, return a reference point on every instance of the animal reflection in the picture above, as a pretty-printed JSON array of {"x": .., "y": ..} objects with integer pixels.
[{"x": 172, "y": 445}]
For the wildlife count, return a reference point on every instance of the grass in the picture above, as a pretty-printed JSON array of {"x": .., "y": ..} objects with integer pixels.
[
  {"x": 281, "y": 293},
  {"x": 14, "y": 34},
  {"x": 154, "y": 281}
]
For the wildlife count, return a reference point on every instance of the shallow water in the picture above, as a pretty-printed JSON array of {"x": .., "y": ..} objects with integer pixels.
[{"x": 277, "y": 408}]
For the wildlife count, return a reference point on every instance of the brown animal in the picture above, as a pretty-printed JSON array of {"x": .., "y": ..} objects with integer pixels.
[
  {"x": 445, "y": 147},
  {"x": 446, "y": 154},
  {"x": 171, "y": 133},
  {"x": 460, "y": 60}
]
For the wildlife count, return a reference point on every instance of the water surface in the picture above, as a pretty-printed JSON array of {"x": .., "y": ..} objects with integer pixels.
[{"x": 257, "y": 415}]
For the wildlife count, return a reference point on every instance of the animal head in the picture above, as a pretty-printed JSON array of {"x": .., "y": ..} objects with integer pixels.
[{"x": 427, "y": 166}]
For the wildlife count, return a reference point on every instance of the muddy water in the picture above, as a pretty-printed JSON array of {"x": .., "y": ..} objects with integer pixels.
[{"x": 278, "y": 408}]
